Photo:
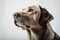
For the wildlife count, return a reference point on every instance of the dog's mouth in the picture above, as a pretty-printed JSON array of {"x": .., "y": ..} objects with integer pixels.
[{"x": 21, "y": 23}]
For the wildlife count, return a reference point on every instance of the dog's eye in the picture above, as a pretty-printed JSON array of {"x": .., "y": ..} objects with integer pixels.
[{"x": 30, "y": 10}]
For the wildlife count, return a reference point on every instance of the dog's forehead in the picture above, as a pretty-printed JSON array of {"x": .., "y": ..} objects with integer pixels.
[
  {"x": 34, "y": 7},
  {"x": 31, "y": 7}
]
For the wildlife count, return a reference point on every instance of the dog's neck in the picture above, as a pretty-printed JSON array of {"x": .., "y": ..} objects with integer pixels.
[
  {"x": 37, "y": 33},
  {"x": 34, "y": 32}
]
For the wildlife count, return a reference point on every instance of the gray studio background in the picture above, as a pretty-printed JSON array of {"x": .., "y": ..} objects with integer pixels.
[{"x": 8, "y": 31}]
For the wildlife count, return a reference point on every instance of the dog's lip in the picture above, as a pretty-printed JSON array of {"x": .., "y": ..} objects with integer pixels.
[
  {"x": 23, "y": 26},
  {"x": 27, "y": 26},
  {"x": 15, "y": 23}
]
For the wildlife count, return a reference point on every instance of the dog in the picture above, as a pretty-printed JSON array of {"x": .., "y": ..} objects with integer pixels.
[{"x": 35, "y": 20}]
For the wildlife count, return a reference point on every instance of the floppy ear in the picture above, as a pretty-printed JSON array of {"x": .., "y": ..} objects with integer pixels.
[{"x": 45, "y": 16}]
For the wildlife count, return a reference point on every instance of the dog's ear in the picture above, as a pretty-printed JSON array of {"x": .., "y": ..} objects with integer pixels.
[{"x": 45, "y": 16}]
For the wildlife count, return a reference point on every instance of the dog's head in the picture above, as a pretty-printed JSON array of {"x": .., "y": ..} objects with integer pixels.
[{"x": 31, "y": 15}]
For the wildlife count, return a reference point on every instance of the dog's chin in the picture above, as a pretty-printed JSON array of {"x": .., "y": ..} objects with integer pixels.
[{"x": 18, "y": 24}]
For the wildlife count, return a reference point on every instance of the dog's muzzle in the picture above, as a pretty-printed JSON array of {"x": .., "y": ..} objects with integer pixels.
[
  {"x": 22, "y": 20},
  {"x": 19, "y": 18}
]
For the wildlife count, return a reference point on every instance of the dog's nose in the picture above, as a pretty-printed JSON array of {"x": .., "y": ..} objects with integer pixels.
[{"x": 16, "y": 15}]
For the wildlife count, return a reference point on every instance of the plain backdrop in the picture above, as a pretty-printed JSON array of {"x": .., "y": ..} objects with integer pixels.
[{"x": 8, "y": 31}]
